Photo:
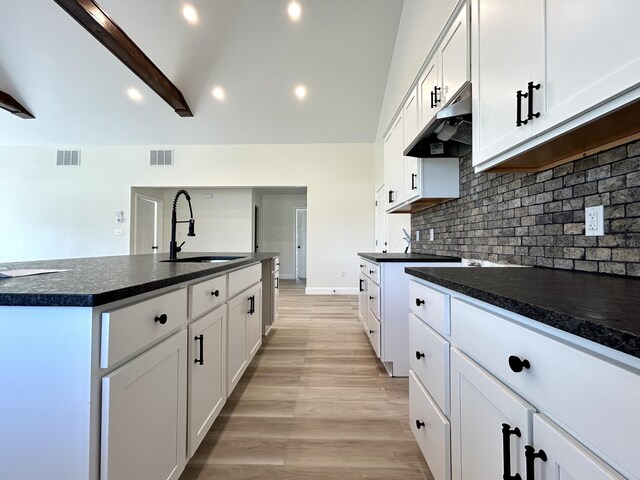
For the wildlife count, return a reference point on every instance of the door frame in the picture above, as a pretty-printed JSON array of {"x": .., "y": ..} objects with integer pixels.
[
  {"x": 295, "y": 242},
  {"x": 256, "y": 227}
]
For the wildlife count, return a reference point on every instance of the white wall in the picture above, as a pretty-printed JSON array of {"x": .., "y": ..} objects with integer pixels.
[
  {"x": 223, "y": 219},
  {"x": 279, "y": 229},
  {"x": 62, "y": 212}
]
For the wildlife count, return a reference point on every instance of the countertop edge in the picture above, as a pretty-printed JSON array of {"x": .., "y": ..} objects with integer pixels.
[
  {"x": 616, "y": 339},
  {"x": 408, "y": 258}
]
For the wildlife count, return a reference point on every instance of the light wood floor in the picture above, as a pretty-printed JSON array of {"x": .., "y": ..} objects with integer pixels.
[{"x": 315, "y": 403}]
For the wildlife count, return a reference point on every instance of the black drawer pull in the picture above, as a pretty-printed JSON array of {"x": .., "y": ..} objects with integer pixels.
[
  {"x": 506, "y": 451},
  {"x": 371, "y": 272},
  {"x": 419, "y": 302},
  {"x": 419, "y": 424},
  {"x": 413, "y": 181},
  {"x": 517, "y": 365},
  {"x": 200, "y": 361},
  {"x": 519, "y": 97},
  {"x": 371, "y": 298},
  {"x": 419, "y": 355},
  {"x": 530, "y": 88},
  {"x": 371, "y": 332},
  {"x": 530, "y": 455},
  {"x": 215, "y": 293},
  {"x": 162, "y": 319}
]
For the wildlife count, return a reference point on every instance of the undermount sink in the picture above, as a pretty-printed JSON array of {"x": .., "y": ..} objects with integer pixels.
[{"x": 205, "y": 259}]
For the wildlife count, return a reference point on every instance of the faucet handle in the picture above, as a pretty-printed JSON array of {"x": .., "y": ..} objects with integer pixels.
[{"x": 179, "y": 247}]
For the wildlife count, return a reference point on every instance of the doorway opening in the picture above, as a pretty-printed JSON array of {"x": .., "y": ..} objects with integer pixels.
[
  {"x": 148, "y": 228},
  {"x": 301, "y": 243}
]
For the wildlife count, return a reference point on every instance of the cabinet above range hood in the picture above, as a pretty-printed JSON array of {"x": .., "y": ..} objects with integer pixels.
[{"x": 448, "y": 134}]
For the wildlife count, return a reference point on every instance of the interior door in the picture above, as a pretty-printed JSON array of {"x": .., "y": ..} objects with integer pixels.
[
  {"x": 148, "y": 225},
  {"x": 301, "y": 243}
]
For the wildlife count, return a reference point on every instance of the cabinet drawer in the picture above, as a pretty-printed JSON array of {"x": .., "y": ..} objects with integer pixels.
[
  {"x": 242, "y": 279},
  {"x": 434, "y": 434},
  {"x": 372, "y": 270},
  {"x": 129, "y": 329},
  {"x": 207, "y": 295},
  {"x": 597, "y": 401},
  {"x": 276, "y": 264},
  {"x": 431, "y": 306},
  {"x": 374, "y": 333},
  {"x": 429, "y": 359},
  {"x": 373, "y": 295}
]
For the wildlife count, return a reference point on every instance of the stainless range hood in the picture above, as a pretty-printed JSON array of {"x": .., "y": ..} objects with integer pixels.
[{"x": 448, "y": 133}]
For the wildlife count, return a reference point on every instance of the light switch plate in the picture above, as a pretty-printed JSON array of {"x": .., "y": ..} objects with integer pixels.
[{"x": 594, "y": 221}]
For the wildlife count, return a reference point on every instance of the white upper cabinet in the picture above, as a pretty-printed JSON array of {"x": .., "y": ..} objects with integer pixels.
[
  {"x": 453, "y": 55},
  {"x": 389, "y": 160},
  {"x": 427, "y": 87},
  {"x": 541, "y": 68},
  {"x": 399, "y": 191}
]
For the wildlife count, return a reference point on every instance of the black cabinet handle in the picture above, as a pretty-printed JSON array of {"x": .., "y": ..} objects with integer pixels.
[
  {"x": 277, "y": 282},
  {"x": 419, "y": 355},
  {"x": 361, "y": 288},
  {"x": 162, "y": 319},
  {"x": 506, "y": 451},
  {"x": 390, "y": 196},
  {"x": 516, "y": 364},
  {"x": 371, "y": 332},
  {"x": 432, "y": 104},
  {"x": 252, "y": 305},
  {"x": 371, "y": 272},
  {"x": 436, "y": 100},
  {"x": 530, "y": 88},
  {"x": 419, "y": 302},
  {"x": 530, "y": 455},
  {"x": 370, "y": 297},
  {"x": 215, "y": 293},
  {"x": 413, "y": 181},
  {"x": 200, "y": 361},
  {"x": 419, "y": 424},
  {"x": 519, "y": 97}
]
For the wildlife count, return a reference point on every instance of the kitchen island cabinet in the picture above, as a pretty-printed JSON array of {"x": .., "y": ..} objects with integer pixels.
[
  {"x": 551, "y": 360},
  {"x": 125, "y": 361}
]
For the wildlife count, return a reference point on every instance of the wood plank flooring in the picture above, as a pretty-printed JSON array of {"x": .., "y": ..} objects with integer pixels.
[{"x": 315, "y": 403}]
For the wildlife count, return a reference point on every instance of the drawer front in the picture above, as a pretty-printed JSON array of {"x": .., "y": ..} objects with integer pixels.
[
  {"x": 431, "y": 306},
  {"x": 373, "y": 272},
  {"x": 374, "y": 333},
  {"x": 242, "y": 279},
  {"x": 129, "y": 329},
  {"x": 429, "y": 359},
  {"x": 434, "y": 434},
  {"x": 373, "y": 295},
  {"x": 595, "y": 400},
  {"x": 207, "y": 295},
  {"x": 362, "y": 264}
]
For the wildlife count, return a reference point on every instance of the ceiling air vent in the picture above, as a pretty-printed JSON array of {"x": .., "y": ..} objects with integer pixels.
[
  {"x": 68, "y": 158},
  {"x": 161, "y": 157}
]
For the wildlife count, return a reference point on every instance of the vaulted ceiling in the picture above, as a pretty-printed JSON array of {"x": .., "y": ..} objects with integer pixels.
[{"x": 77, "y": 90}]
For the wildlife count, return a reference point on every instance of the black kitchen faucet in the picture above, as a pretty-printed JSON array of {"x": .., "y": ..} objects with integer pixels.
[{"x": 174, "y": 248}]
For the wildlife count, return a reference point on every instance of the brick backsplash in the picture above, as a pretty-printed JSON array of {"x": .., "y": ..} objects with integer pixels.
[{"x": 538, "y": 218}]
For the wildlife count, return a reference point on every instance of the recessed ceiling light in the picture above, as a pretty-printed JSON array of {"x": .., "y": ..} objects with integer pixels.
[
  {"x": 300, "y": 91},
  {"x": 218, "y": 92},
  {"x": 134, "y": 94},
  {"x": 190, "y": 13},
  {"x": 294, "y": 10}
]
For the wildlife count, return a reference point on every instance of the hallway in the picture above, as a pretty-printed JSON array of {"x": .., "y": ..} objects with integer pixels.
[{"x": 314, "y": 404}]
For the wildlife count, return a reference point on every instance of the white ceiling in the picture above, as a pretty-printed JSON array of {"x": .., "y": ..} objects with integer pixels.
[{"x": 340, "y": 49}]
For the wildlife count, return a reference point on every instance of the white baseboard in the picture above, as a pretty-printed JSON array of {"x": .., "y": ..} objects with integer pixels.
[{"x": 330, "y": 291}]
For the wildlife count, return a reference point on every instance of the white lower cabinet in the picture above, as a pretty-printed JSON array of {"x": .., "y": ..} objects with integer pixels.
[
  {"x": 144, "y": 415},
  {"x": 524, "y": 401},
  {"x": 207, "y": 386},
  {"x": 244, "y": 333},
  {"x": 490, "y": 424},
  {"x": 555, "y": 455}
]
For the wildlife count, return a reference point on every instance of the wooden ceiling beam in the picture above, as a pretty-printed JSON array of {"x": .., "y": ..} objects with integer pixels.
[
  {"x": 10, "y": 104},
  {"x": 89, "y": 14}
]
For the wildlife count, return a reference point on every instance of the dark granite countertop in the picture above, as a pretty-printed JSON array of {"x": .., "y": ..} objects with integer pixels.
[
  {"x": 407, "y": 257},
  {"x": 601, "y": 308},
  {"x": 99, "y": 280}
]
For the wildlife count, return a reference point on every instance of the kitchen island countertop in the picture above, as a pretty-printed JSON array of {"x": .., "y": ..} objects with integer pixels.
[
  {"x": 602, "y": 308},
  {"x": 96, "y": 281}
]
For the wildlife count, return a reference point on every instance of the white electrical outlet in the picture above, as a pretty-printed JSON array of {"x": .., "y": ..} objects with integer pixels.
[
  {"x": 594, "y": 221},
  {"x": 431, "y": 234},
  {"x": 119, "y": 231}
]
